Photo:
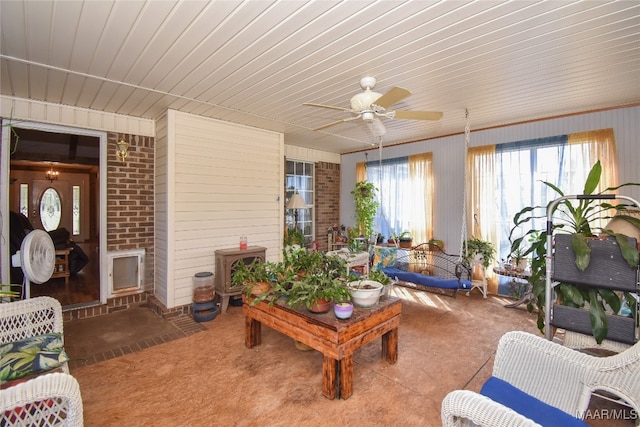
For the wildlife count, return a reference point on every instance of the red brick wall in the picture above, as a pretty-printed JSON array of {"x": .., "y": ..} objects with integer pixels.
[
  {"x": 130, "y": 206},
  {"x": 327, "y": 200}
]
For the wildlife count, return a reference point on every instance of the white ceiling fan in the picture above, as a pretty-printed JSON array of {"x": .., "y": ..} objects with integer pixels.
[{"x": 370, "y": 105}]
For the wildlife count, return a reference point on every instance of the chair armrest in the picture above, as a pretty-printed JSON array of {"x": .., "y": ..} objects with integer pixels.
[
  {"x": 30, "y": 317},
  {"x": 520, "y": 359},
  {"x": 463, "y": 407},
  {"x": 45, "y": 400}
]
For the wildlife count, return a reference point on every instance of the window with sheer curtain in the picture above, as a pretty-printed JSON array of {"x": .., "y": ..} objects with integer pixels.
[
  {"x": 405, "y": 193},
  {"x": 504, "y": 178}
]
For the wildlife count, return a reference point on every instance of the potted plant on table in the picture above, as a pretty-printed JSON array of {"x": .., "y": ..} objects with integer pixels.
[
  {"x": 316, "y": 292},
  {"x": 576, "y": 221},
  {"x": 402, "y": 240},
  {"x": 405, "y": 239},
  {"x": 379, "y": 276},
  {"x": 518, "y": 258},
  {"x": 320, "y": 280},
  {"x": 256, "y": 278}
]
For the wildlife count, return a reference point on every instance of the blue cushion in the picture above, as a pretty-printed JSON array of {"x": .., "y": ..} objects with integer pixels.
[
  {"x": 424, "y": 280},
  {"x": 528, "y": 406}
]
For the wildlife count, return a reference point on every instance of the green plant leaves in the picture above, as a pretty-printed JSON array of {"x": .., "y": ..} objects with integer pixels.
[
  {"x": 593, "y": 178},
  {"x": 598, "y": 317},
  {"x": 571, "y": 296},
  {"x": 366, "y": 206},
  {"x": 629, "y": 252},
  {"x": 581, "y": 249}
]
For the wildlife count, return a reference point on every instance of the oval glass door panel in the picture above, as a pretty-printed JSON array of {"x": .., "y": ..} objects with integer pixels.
[{"x": 50, "y": 209}]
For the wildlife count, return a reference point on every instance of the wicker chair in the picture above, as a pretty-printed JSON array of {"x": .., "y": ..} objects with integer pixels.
[
  {"x": 48, "y": 400},
  {"x": 558, "y": 376},
  {"x": 29, "y": 318}
]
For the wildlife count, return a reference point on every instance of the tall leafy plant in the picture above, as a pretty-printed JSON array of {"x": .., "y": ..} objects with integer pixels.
[
  {"x": 576, "y": 219},
  {"x": 366, "y": 206}
]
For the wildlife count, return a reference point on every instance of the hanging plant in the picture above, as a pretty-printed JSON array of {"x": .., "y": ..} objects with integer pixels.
[
  {"x": 366, "y": 206},
  {"x": 482, "y": 250}
]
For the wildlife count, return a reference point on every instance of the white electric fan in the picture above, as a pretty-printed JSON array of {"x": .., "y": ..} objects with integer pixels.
[{"x": 36, "y": 257}]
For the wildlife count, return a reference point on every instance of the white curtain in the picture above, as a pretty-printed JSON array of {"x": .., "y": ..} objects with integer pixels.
[
  {"x": 505, "y": 178},
  {"x": 405, "y": 192}
]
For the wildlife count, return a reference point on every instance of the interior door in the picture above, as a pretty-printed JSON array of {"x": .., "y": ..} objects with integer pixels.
[{"x": 51, "y": 205}]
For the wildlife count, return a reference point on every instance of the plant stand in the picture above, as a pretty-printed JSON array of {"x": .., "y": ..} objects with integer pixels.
[
  {"x": 607, "y": 270},
  {"x": 481, "y": 285}
]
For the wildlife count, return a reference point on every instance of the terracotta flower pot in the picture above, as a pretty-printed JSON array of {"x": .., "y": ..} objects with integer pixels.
[
  {"x": 260, "y": 288},
  {"x": 320, "y": 306}
]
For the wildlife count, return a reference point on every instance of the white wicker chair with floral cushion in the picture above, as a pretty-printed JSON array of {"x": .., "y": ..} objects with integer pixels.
[
  {"x": 31, "y": 338},
  {"x": 48, "y": 400},
  {"x": 544, "y": 382}
]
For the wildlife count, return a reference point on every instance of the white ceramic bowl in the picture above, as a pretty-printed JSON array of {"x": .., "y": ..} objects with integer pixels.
[{"x": 365, "y": 293}]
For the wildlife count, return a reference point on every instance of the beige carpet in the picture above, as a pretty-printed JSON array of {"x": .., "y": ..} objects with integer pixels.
[{"x": 211, "y": 379}]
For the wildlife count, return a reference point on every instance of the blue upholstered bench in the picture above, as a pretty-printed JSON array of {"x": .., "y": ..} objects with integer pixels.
[{"x": 425, "y": 266}]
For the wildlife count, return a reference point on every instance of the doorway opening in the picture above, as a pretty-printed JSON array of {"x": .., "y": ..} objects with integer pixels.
[{"x": 54, "y": 185}]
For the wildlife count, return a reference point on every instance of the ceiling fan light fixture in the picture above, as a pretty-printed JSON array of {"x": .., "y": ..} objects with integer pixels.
[
  {"x": 367, "y": 116},
  {"x": 362, "y": 101}
]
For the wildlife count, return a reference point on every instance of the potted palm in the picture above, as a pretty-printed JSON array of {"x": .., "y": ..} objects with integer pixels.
[{"x": 580, "y": 239}]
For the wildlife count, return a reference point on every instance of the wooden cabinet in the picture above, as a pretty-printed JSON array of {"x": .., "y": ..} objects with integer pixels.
[{"x": 61, "y": 267}]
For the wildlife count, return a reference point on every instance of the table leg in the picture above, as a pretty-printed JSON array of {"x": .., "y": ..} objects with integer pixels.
[
  {"x": 390, "y": 346},
  {"x": 329, "y": 377},
  {"x": 346, "y": 377},
  {"x": 252, "y": 332}
]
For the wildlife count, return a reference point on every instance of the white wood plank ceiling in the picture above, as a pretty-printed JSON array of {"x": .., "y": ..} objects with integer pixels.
[{"x": 257, "y": 62}]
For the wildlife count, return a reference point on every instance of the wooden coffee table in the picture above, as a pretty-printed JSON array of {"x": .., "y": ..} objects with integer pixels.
[{"x": 336, "y": 339}]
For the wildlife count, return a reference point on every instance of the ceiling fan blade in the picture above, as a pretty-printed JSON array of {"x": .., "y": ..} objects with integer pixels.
[
  {"x": 326, "y": 106},
  {"x": 394, "y": 95},
  {"x": 337, "y": 122},
  {"x": 418, "y": 115}
]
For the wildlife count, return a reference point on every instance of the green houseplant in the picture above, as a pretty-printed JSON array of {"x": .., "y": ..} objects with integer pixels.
[
  {"x": 478, "y": 249},
  {"x": 292, "y": 237},
  {"x": 302, "y": 278},
  {"x": 577, "y": 220},
  {"x": 366, "y": 206},
  {"x": 317, "y": 289},
  {"x": 319, "y": 278},
  {"x": 402, "y": 240},
  {"x": 256, "y": 278}
]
